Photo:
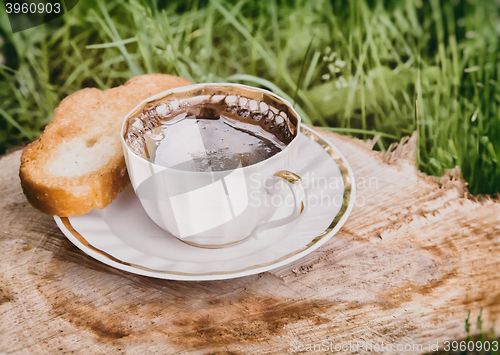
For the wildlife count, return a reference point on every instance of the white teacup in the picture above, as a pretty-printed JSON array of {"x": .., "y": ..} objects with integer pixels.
[{"x": 216, "y": 208}]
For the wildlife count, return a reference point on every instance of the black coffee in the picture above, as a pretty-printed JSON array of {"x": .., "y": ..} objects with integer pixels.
[
  {"x": 211, "y": 129},
  {"x": 192, "y": 143}
]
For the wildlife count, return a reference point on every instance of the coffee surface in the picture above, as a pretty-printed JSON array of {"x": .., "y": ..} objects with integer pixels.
[
  {"x": 211, "y": 129},
  {"x": 216, "y": 143}
]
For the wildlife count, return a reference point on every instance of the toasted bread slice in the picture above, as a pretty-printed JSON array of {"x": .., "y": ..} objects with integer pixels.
[{"x": 77, "y": 164}]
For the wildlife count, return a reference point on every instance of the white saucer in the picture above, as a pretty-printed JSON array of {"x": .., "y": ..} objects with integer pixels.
[{"x": 123, "y": 236}]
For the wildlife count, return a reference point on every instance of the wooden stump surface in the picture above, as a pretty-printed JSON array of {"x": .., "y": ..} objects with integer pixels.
[{"x": 416, "y": 255}]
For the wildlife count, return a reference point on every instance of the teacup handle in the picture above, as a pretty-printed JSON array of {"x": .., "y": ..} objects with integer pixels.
[{"x": 295, "y": 184}]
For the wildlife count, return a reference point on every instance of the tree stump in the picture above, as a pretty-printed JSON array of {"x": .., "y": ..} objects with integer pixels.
[{"x": 415, "y": 257}]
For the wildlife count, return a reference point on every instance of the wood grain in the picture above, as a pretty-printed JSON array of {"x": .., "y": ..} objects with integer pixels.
[{"x": 416, "y": 255}]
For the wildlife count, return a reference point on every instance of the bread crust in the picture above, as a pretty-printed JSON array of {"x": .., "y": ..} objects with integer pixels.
[{"x": 76, "y": 195}]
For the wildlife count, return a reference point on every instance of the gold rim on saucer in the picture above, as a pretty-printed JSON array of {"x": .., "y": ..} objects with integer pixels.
[{"x": 346, "y": 202}]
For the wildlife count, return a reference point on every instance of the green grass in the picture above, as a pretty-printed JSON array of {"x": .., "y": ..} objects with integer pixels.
[
  {"x": 478, "y": 341},
  {"x": 371, "y": 69}
]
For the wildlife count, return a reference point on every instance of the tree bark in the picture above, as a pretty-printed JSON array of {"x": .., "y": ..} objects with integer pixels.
[{"x": 415, "y": 257}]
